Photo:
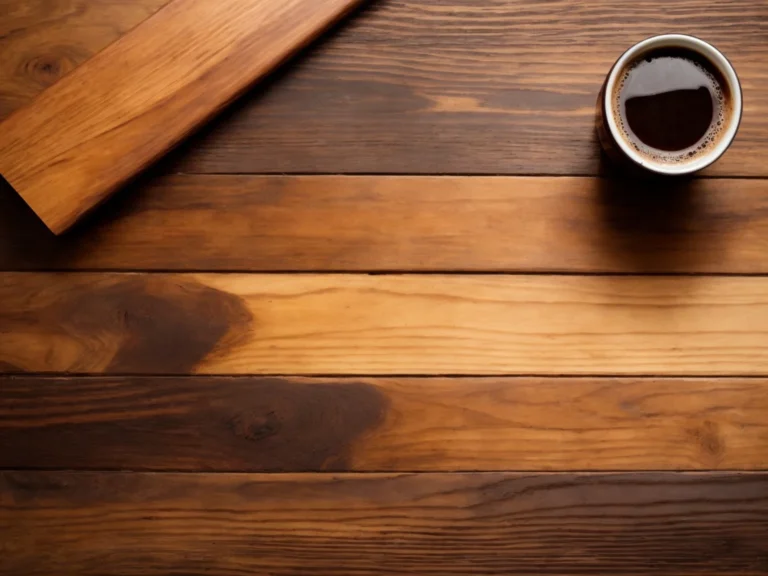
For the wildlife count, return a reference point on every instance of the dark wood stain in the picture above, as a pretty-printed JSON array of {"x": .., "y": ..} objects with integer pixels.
[
  {"x": 295, "y": 426},
  {"x": 433, "y": 424},
  {"x": 348, "y": 524},
  {"x": 224, "y": 424},
  {"x": 141, "y": 323},
  {"x": 170, "y": 326}
]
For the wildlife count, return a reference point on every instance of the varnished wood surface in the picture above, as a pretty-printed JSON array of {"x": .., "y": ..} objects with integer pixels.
[
  {"x": 560, "y": 524},
  {"x": 383, "y": 324},
  {"x": 459, "y": 86},
  {"x": 377, "y": 472},
  {"x": 121, "y": 110},
  {"x": 385, "y": 424},
  {"x": 403, "y": 223},
  {"x": 42, "y": 40}
]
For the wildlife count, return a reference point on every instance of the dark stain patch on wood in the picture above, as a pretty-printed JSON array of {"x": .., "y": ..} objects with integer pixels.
[
  {"x": 170, "y": 326},
  {"x": 294, "y": 426},
  {"x": 223, "y": 424},
  {"x": 119, "y": 323}
]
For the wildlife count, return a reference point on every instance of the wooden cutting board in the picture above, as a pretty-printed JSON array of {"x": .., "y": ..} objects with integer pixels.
[{"x": 93, "y": 130}]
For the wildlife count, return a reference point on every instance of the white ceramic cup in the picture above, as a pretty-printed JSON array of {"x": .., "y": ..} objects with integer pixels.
[{"x": 615, "y": 143}]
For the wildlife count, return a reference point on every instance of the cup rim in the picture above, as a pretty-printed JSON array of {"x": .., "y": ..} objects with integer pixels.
[{"x": 717, "y": 59}]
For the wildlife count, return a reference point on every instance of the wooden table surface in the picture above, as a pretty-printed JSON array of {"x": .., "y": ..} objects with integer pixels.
[{"x": 393, "y": 313}]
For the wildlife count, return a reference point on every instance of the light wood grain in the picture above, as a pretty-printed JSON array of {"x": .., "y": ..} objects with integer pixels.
[
  {"x": 358, "y": 324},
  {"x": 42, "y": 40},
  {"x": 383, "y": 424},
  {"x": 564, "y": 524},
  {"x": 386, "y": 223},
  {"x": 110, "y": 118}
]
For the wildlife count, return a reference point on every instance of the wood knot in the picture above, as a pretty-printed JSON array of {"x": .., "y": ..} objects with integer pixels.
[
  {"x": 255, "y": 427},
  {"x": 45, "y": 69}
]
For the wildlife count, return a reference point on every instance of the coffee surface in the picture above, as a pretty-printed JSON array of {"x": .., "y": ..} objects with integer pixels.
[{"x": 671, "y": 105}]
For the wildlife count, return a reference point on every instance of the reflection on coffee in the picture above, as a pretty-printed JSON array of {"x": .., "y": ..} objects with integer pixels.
[{"x": 671, "y": 105}]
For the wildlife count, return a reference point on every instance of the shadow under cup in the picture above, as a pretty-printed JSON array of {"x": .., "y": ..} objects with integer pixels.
[{"x": 618, "y": 145}]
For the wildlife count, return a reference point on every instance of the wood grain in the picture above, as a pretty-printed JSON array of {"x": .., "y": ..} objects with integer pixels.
[
  {"x": 467, "y": 87},
  {"x": 446, "y": 86},
  {"x": 42, "y": 40},
  {"x": 421, "y": 87},
  {"x": 558, "y": 524},
  {"x": 383, "y": 424},
  {"x": 116, "y": 114},
  {"x": 376, "y": 223},
  {"x": 382, "y": 324}
]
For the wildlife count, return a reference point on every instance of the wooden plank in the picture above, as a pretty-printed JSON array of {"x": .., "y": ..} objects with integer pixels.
[
  {"x": 467, "y": 87},
  {"x": 42, "y": 41},
  {"x": 375, "y": 223},
  {"x": 438, "y": 86},
  {"x": 382, "y": 324},
  {"x": 552, "y": 524},
  {"x": 110, "y": 118},
  {"x": 383, "y": 424}
]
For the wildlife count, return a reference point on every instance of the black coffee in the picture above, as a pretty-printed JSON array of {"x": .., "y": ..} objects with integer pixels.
[{"x": 671, "y": 104}]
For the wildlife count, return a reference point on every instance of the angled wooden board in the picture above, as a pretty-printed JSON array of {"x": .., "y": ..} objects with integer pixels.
[
  {"x": 260, "y": 424},
  {"x": 42, "y": 41},
  {"x": 111, "y": 117},
  {"x": 639, "y": 524},
  {"x": 382, "y": 324}
]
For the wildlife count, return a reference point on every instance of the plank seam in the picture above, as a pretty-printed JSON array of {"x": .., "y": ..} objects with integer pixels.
[
  {"x": 581, "y": 472},
  {"x": 584, "y": 175},
  {"x": 406, "y": 272},
  {"x": 351, "y": 376}
]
